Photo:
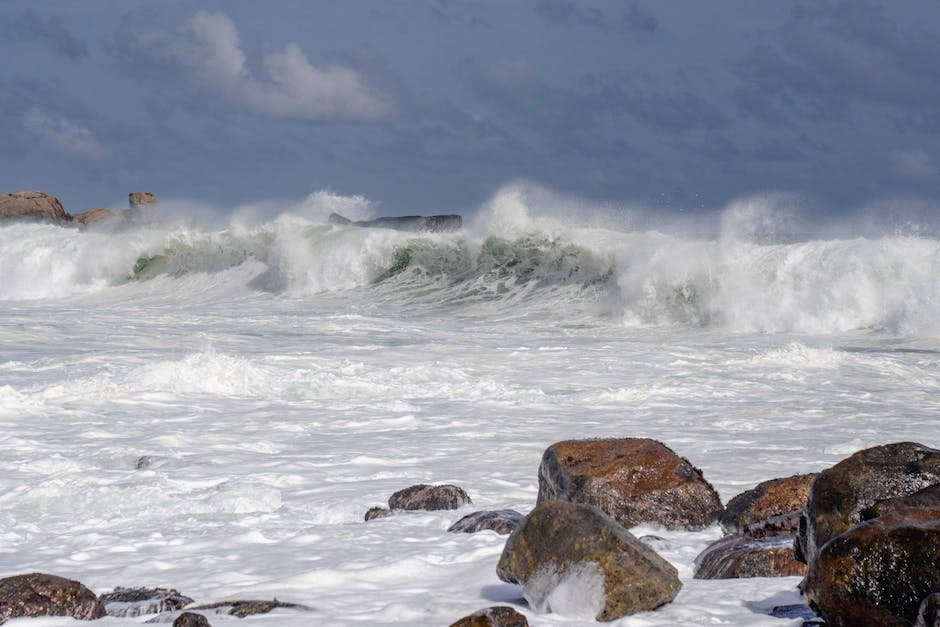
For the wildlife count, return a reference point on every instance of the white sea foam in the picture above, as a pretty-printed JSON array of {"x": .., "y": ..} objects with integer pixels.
[{"x": 281, "y": 376}]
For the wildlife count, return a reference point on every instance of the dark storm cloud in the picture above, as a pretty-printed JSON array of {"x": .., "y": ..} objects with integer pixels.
[
  {"x": 829, "y": 55},
  {"x": 51, "y": 30}
]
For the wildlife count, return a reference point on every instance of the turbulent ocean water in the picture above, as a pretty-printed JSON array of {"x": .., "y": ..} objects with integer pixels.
[{"x": 282, "y": 376}]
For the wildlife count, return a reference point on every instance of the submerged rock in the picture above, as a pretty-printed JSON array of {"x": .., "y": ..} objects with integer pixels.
[
  {"x": 498, "y": 616},
  {"x": 840, "y": 493},
  {"x": 32, "y": 206},
  {"x": 242, "y": 609},
  {"x": 574, "y": 559},
  {"x": 139, "y": 601},
  {"x": 377, "y": 512},
  {"x": 501, "y": 521},
  {"x": 766, "y": 500},
  {"x": 742, "y": 555},
  {"x": 633, "y": 480},
  {"x": 429, "y": 497},
  {"x": 39, "y": 594},
  {"x": 876, "y": 573}
]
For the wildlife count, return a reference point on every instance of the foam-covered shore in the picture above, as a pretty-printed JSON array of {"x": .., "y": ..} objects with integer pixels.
[{"x": 285, "y": 375}]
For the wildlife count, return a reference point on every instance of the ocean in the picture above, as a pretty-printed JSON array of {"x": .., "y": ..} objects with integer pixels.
[{"x": 280, "y": 376}]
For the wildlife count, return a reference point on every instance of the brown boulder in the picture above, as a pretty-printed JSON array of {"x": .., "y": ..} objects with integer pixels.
[
  {"x": 876, "y": 573},
  {"x": 136, "y": 200},
  {"x": 98, "y": 214},
  {"x": 191, "y": 619},
  {"x": 32, "y": 206},
  {"x": 766, "y": 500},
  {"x": 39, "y": 594},
  {"x": 501, "y": 521},
  {"x": 634, "y": 480},
  {"x": 499, "y": 616},
  {"x": 762, "y": 550},
  {"x": 573, "y": 558},
  {"x": 429, "y": 497},
  {"x": 840, "y": 493},
  {"x": 377, "y": 512}
]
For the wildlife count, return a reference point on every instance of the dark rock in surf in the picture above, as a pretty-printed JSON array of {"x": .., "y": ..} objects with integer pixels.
[
  {"x": 794, "y": 610},
  {"x": 433, "y": 224},
  {"x": 840, "y": 493},
  {"x": 429, "y": 497},
  {"x": 634, "y": 480},
  {"x": 581, "y": 547},
  {"x": 498, "y": 616},
  {"x": 501, "y": 521},
  {"x": 764, "y": 549},
  {"x": 377, "y": 512},
  {"x": 39, "y": 594},
  {"x": 877, "y": 572},
  {"x": 139, "y": 601},
  {"x": 929, "y": 613},
  {"x": 32, "y": 206},
  {"x": 191, "y": 619},
  {"x": 768, "y": 499},
  {"x": 928, "y": 497},
  {"x": 241, "y": 609}
]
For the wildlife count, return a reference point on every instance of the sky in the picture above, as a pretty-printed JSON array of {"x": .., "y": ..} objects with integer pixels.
[{"x": 430, "y": 106}]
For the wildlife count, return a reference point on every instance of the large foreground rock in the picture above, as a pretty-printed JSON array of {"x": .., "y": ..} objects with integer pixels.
[
  {"x": 573, "y": 558},
  {"x": 32, "y": 206},
  {"x": 840, "y": 493},
  {"x": 877, "y": 573},
  {"x": 768, "y": 499},
  {"x": 39, "y": 594},
  {"x": 633, "y": 480}
]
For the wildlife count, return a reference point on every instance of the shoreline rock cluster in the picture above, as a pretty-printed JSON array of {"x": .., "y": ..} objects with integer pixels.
[
  {"x": 864, "y": 532},
  {"x": 36, "y": 206}
]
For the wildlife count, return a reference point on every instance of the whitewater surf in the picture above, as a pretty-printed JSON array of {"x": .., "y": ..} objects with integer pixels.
[{"x": 282, "y": 375}]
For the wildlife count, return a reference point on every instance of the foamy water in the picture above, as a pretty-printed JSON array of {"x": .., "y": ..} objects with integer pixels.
[{"x": 283, "y": 376}]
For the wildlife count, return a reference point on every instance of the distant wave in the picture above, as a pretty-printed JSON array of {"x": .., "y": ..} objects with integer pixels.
[{"x": 511, "y": 262}]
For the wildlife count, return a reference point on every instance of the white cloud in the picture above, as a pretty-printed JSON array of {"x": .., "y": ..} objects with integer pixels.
[
  {"x": 61, "y": 133},
  {"x": 914, "y": 164},
  {"x": 292, "y": 88}
]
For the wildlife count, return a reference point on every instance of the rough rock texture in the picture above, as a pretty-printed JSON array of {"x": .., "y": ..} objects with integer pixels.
[
  {"x": 928, "y": 497},
  {"x": 878, "y": 572},
  {"x": 766, "y": 500},
  {"x": 97, "y": 215},
  {"x": 498, "y": 616},
  {"x": 429, "y": 497},
  {"x": 840, "y": 493},
  {"x": 32, "y": 206},
  {"x": 560, "y": 542},
  {"x": 377, "y": 512},
  {"x": 39, "y": 594},
  {"x": 242, "y": 609},
  {"x": 929, "y": 613},
  {"x": 140, "y": 601},
  {"x": 139, "y": 199},
  {"x": 501, "y": 521},
  {"x": 634, "y": 480},
  {"x": 741, "y": 555},
  {"x": 191, "y": 619}
]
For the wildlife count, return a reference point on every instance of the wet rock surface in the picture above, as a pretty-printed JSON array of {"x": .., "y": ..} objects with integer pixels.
[
  {"x": 929, "y": 613},
  {"x": 140, "y": 601},
  {"x": 429, "y": 497},
  {"x": 767, "y": 500},
  {"x": 840, "y": 493},
  {"x": 191, "y": 619},
  {"x": 633, "y": 480},
  {"x": 764, "y": 549},
  {"x": 377, "y": 512},
  {"x": 582, "y": 549},
  {"x": 878, "y": 572},
  {"x": 242, "y": 609},
  {"x": 502, "y": 521},
  {"x": 499, "y": 616},
  {"x": 39, "y": 594}
]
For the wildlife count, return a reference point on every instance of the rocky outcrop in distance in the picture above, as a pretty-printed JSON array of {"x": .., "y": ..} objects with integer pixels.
[{"x": 37, "y": 206}]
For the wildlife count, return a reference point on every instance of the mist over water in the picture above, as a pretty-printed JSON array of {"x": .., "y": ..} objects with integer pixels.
[{"x": 282, "y": 375}]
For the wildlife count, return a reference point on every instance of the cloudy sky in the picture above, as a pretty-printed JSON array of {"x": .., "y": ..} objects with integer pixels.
[{"x": 432, "y": 105}]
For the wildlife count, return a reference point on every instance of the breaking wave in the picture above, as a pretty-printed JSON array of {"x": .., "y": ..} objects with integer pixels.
[{"x": 510, "y": 259}]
